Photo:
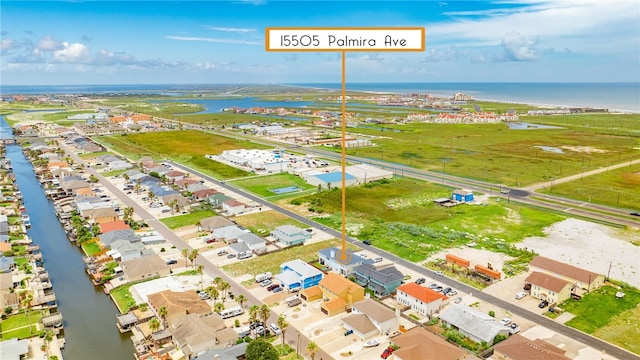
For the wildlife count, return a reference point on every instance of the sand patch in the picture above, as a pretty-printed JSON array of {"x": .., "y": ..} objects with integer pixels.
[
  {"x": 584, "y": 149},
  {"x": 590, "y": 246},
  {"x": 476, "y": 256}
]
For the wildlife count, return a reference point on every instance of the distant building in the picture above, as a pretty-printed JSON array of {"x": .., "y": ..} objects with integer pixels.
[
  {"x": 331, "y": 180},
  {"x": 420, "y": 344},
  {"x": 581, "y": 278},
  {"x": 290, "y": 235},
  {"x": 462, "y": 195},
  {"x": 518, "y": 347}
]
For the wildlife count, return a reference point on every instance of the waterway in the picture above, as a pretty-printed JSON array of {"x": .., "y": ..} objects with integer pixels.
[{"x": 89, "y": 315}]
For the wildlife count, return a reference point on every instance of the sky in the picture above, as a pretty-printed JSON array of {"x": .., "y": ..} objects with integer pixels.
[{"x": 195, "y": 42}]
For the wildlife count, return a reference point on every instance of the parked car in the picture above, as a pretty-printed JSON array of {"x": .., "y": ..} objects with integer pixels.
[
  {"x": 520, "y": 295},
  {"x": 209, "y": 241},
  {"x": 446, "y": 291},
  {"x": 277, "y": 289},
  {"x": 222, "y": 252},
  {"x": 438, "y": 289},
  {"x": 439, "y": 273},
  {"x": 367, "y": 242},
  {"x": 386, "y": 353},
  {"x": 527, "y": 287},
  {"x": 348, "y": 332},
  {"x": 172, "y": 261},
  {"x": 378, "y": 259},
  {"x": 543, "y": 304},
  {"x": 244, "y": 255},
  {"x": 231, "y": 256},
  {"x": 505, "y": 321},
  {"x": 275, "y": 328},
  {"x": 204, "y": 295},
  {"x": 458, "y": 300},
  {"x": 433, "y": 286},
  {"x": 452, "y": 293},
  {"x": 272, "y": 286},
  {"x": 420, "y": 281},
  {"x": 265, "y": 283}
]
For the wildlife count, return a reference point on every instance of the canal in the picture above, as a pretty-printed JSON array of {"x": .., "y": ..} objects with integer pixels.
[{"x": 89, "y": 315}]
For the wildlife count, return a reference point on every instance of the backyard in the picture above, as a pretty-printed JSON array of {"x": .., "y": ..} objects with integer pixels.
[
  {"x": 262, "y": 223},
  {"x": 192, "y": 218},
  {"x": 17, "y": 325}
]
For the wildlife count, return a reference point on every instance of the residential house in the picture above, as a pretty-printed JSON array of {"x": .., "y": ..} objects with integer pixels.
[
  {"x": 518, "y": 347},
  {"x": 202, "y": 195},
  {"x": 420, "y": 344},
  {"x": 123, "y": 250},
  {"x": 174, "y": 175},
  {"x": 194, "y": 334},
  {"x": 382, "y": 281},
  {"x": 583, "y": 279},
  {"x": 214, "y": 222},
  {"x": 4, "y": 225},
  {"x": 233, "y": 207},
  {"x": 8, "y": 297},
  {"x": 144, "y": 268},
  {"x": 109, "y": 237},
  {"x": 120, "y": 165},
  {"x": 254, "y": 242},
  {"x": 14, "y": 349},
  {"x": 103, "y": 215},
  {"x": 107, "y": 227},
  {"x": 290, "y": 235},
  {"x": 183, "y": 183},
  {"x": 548, "y": 287},
  {"x": 330, "y": 258},
  {"x": 234, "y": 352},
  {"x": 369, "y": 313},
  {"x": 178, "y": 304},
  {"x": 228, "y": 234},
  {"x": 472, "y": 323},
  {"x": 7, "y": 264},
  {"x": 71, "y": 186},
  {"x": 421, "y": 299},
  {"x": 216, "y": 200},
  {"x": 180, "y": 201},
  {"x": 195, "y": 187},
  {"x": 339, "y": 294},
  {"x": 298, "y": 275}
]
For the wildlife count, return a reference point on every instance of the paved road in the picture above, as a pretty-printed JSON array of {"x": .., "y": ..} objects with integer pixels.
[
  {"x": 291, "y": 334},
  {"x": 514, "y": 309}
]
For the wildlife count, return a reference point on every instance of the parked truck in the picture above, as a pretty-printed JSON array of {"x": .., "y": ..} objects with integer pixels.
[{"x": 264, "y": 276}]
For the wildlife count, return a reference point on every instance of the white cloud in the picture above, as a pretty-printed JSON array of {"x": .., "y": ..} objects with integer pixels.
[
  {"x": 235, "y": 30},
  {"x": 6, "y": 44},
  {"x": 48, "y": 43},
  {"x": 72, "y": 53},
  {"x": 214, "y": 40},
  {"x": 518, "y": 47}
]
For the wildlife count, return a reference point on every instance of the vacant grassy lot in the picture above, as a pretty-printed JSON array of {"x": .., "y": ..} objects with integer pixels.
[
  {"x": 122, "y": 297},
  {"x": 262, "y": 223},
  {"x": 257, "y": 265},
  {"x": 263, "y": 185},
  {"x": 175, "y": 222},
  {"x": 601, "y": 312},
  {"x": 17, "y": 326},
  {"x": 91, "y": 248},
  {"x": 617, "y": 187},
  {"x": 400, "y": 216},
  {"x": 187, "y": 147}
]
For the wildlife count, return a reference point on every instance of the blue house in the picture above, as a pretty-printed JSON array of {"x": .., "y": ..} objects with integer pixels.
[
  {"x": 297, "y": 274},
  {"x": 462, "y": 195}
]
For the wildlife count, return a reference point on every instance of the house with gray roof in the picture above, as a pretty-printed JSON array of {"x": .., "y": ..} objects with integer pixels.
[
  {"x": 328, "y": 258},
  {"x": 196, "y": 187},
  {"x": 214, "y": 222},
  {"x": 290, "y": 235},
  {"x": 216, "y": 200},
  {"x": 14, "y": 349},
  {"x": 123, "y": 250},
  {"x": 160, "y": 191},
  {"x": 234, "y": 352},
  {"x": 144, "y": 268},
  {"x": 253, "y": 241},
  {"x": 4, "y": 225},
  {"x": 382, "y": 281},
  {"x": 472, "y": 323},
  {"x": 7, "y": 264},
  {"x": 195, "y": 334},
  {"x": 228, "y": 233},
  {"x": 108, "y": 238}
]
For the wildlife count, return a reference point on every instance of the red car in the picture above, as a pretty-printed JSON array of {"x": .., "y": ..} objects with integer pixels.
[{"x": 386, "y": 353}]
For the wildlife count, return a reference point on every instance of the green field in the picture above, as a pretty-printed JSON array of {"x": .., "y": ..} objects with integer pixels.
[
  {"x": 602, "y": 314},
  {"x": 400, "y": 216},
  {"x": 187, "y": 147},
  {"x": 261, "y": 223},
  {"x": 178, "y": 221},
  {"x": 17, "y": 326},
  {"x": 263, "y": 185}
]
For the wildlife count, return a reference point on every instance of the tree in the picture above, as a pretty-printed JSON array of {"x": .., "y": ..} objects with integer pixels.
[
  {"x": 260, "y": 349},
  {"x": 213, "y": 292},
  {"x": 200, "y": 270},
  {"x": 264, "y": 314},
  {"x": 162, "y": 312},
  {"x": 199, "y": 225},
  {"x": 253, "y": 313},
  {"x": 241, "y": 299},
  {"x": 224, "y": 286},
  {"x": 154, "y": 324},
  {"x": 218, "y": 307},
  {"x": 192, "y": 256},
  {"x": 173, "y": 204},
  {"x": 282, "y": 324},
  {"x": 126, "y": 177},
  {"x": 185, "y": 255},
  {"x": 312, "y": 348},
  {"x": 151, "y": 196},
  {"x": 26, "y": 303}
]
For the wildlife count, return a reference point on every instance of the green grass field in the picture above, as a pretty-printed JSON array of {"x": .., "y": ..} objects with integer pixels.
[
  {"x": 262, "y": 223},
  {"x": 263, "y": 185},
  {"x": 91, "y": 248},
  {"x": 400, "y": 216},
  {"x": 602, "y": 314},
  {"x": 187, "y": 147},
  {"x": 17, "y": 326},
  {"x": 178, "y": 221}
]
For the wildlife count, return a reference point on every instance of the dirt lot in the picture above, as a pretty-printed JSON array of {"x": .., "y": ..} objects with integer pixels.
[{"x": 592, "y": 247}]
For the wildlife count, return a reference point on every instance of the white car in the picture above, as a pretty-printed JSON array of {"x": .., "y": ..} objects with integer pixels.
[
  {"x": 378, "y": 259},
  {"x": 275, "y": 328},
  {"x": 520, "y": 295},
  {"x": 505, "y": 321}
]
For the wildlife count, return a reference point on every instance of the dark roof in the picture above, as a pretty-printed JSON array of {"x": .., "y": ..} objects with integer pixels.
[{"x": 384, "y": 275}]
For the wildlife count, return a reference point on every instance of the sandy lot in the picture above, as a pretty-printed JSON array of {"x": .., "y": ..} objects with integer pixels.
[
  {"x": 590, "y": 246},
  {"x": 476, "y": 256}
]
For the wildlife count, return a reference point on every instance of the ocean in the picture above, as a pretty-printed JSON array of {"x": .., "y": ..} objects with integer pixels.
[{"x": 613, "y": 96}]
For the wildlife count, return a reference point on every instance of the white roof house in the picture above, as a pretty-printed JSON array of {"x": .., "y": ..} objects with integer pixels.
[{"x": 474, "y": 324}]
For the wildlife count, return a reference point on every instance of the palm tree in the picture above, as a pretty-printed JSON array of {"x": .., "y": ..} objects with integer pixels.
[
  {"x": 312, "y": 348},
  {"x": 200, "y": 270},
  {"x": 154, "y": 324},
  {"x": 218, "y": 307},
  {"x": 241, "y": 299},
  {"x": 173, "y": 204},
  {"x": 192, "y": 256},
  {"x": 282, "y": 324},
  {"x": 151, "y": 196},
  {"x": 128, "y": 212},
  {"x": 125, "y": 176},
  {"x": 213, "y": 292},
  {"x": 185, "y": 254},
  {"x": 224, "y": 286},
  {"x": 253, "y": 313},
  {"x": 26, "y": 304},
  {"x": 264, "y": 313},
  {"x": 217, "y": 280},
  {"x": 199, "y": 225},
  {"x": 162, "y": 312},
  {"x": 143, "y": 307}
]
